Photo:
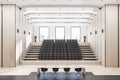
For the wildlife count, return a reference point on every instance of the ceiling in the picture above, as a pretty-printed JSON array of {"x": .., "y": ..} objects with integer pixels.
[
  {"x": 92, "y": 3},
  {"x": 60, "y": 11},
  {"x": 70, "y": 15}
]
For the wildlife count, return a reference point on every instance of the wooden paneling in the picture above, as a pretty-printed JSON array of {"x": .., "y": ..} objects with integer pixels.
[
  {"x": 111, "y": 35},
  {"x": 0, "y": 37},
  {"x": 9, "y": 36},
  {"x": 119, "y": 35}
]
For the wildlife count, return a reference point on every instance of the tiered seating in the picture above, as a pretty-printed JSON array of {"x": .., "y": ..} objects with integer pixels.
[
  {"x": 73, "y": 50},
  {"x": 46, "y": 50},
  {"x": 60, "y": 50}
]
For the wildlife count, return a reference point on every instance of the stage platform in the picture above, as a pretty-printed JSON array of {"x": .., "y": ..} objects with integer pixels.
[{"x": 60, "y": 62}]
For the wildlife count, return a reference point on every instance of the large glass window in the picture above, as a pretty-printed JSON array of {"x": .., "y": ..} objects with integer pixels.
[
  {"x": 43, "y": 33},
  {"x": 60, "y": 33},
  {"x": 75, "y": 34}
]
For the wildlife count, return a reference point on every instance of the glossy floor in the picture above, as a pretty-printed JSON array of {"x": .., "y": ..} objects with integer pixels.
[{"x": 27, "y": 69}]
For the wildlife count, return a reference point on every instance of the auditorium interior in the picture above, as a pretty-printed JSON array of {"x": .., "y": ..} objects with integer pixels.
[{"x": 59, "y": 39}]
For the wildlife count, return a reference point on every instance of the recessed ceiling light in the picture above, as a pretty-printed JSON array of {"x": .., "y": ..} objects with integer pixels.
[
  {"x": 70, "y": 0},
  {"x": 85, "y": 0},
  {"x": 54, "y": 0},
  {"x": 101, "y": 0}
]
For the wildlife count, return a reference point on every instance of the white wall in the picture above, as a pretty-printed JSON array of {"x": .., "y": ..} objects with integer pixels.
[
  {"x": 105, "y": 44},
  {"x": 103, "y": 36},
  {"x": 35, "y": 28},
  {"x": 28, "y": 35},
  {"x": 23, "y": 35}
]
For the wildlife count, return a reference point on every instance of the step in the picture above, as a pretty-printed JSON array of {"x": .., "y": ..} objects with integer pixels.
[
  {"x": 30, "y": 59},
  {"x": 31, "y": 56},
  {"x": 86, "y": 50},
  {"x": 34, "y": 50},
  {"x": 87, "y": 53},
  {"x": 36, "y": 46},
  {"x": 84, "y": 46},
  {"x": 89, "y": 58},
  {"x": 32, "y": 53}
]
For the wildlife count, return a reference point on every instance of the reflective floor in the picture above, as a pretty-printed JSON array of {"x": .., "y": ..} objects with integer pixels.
[{"x": 61, "y": 76}]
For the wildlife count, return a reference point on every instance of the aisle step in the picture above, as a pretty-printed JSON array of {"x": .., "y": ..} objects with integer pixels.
[
  {"x": 89, "y": 59},
  {"x": 86, "y": 51},
  {"x": 32, "y": 53},
  {"x": 30, "y": 58}
]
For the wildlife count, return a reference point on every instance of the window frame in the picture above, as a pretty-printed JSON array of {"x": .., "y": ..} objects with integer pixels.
[
  {"x": 48, "y": 31},
  {"x": 71, "y": 32},
  {"x": 59, "y": 27}
]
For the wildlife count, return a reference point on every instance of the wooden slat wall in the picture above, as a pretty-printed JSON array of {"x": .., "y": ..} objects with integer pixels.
[
  {"x": 0, "y": 37},
  {"x": 9, "y": 36},
  {"x": 111, "y": 35},
  {"x": 119, "y": 35}
]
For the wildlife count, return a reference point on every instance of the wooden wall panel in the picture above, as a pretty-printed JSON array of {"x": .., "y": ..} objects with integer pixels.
[
  {"x": 119, "y": 35},
  {"x": 0, "y": 37},
  {"x": 111, "y": 35},
  {"x": 9, "y": 36}
]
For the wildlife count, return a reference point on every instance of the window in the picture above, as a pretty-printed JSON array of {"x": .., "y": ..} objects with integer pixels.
[
  {"x": 43, "y": 33},
  {"x": 60, "y": 33},
  {"x": 75, "y": 33}
]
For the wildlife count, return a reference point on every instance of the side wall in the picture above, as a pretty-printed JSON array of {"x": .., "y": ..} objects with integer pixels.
[
  {"x": 119, "y": 35},
  {"x": 9, "y": 36},
  {"x": 0, "y": 38},
  {"x": 104, "y": 37},
  {"x": 112, "y": 35}
]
